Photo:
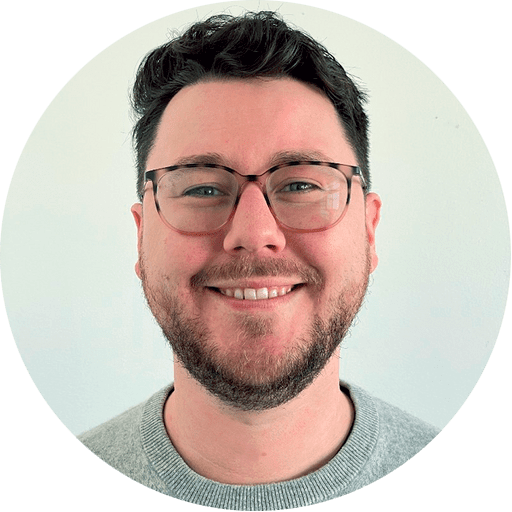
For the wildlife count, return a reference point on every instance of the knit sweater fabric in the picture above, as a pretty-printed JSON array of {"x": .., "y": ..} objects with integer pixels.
[{"x": 382, "y": 438}]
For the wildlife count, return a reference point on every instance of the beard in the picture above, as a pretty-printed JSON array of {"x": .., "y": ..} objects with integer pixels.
[{"x": 245, "y": 376}]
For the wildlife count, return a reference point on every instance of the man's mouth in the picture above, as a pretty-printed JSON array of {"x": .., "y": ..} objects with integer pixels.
[{"x": 256, "y": 293}]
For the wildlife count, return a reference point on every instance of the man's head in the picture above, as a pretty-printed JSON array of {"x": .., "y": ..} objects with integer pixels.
[
  {"x": 253, "y": 310},
  {"x": 256, "y": 45}
]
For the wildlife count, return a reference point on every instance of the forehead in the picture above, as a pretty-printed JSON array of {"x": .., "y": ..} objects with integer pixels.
[{"x": 248, "y": 122}]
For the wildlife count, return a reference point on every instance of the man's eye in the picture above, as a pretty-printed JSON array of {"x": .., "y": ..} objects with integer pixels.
[
  {"x": 203, "y": 191},
  {"x": 299, "y": 186}
]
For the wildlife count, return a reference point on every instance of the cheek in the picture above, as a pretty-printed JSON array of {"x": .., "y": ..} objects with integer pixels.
[
  {"x": 321, "y": 250},
  {"x": 338, "y": 254},
  {"x": 179, "y": 257}
]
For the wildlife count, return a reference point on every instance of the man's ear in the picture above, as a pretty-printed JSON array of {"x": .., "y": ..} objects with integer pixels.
[
  {"x": 137, "y": 215},
  {"x": 373, "y": 205}
]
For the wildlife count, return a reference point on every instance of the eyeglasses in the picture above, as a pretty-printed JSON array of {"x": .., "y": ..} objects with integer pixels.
[{"x": 303, "y": 196}]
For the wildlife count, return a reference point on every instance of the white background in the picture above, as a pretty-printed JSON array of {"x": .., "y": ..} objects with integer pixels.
[{"x": 422, "y": 337}]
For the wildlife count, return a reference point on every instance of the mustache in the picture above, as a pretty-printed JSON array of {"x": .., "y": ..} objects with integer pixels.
[{"x": 247, "y": 267}]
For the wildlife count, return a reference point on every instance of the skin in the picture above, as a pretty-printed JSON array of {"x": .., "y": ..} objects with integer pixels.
[{"x": 248, "y": 123}]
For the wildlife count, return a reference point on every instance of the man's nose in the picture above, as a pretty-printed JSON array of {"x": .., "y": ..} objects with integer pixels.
[{"x": 253, "y": 228}]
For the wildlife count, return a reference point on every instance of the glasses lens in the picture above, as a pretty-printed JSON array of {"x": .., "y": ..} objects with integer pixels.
[
  {"x": 201, "y": 199},
  {"x": 307, "y": 196},
  {"x": 197, "y": 199}
]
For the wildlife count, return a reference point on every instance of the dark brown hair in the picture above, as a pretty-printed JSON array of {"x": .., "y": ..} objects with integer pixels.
[{"x": 250, "y": 46}]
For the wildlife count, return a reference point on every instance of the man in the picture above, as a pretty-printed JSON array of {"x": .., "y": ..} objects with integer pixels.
[{"x": 256, "y": 238}]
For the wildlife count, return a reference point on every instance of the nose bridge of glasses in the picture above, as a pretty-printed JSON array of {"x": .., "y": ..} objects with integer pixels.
[{"x": 258, "y": 179}]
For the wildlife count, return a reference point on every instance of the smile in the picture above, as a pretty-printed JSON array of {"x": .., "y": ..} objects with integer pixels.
[{"x": 256, "y": 294}]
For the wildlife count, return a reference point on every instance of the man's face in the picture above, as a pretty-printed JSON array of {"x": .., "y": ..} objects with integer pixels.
[{"x": 254, "y": 353}]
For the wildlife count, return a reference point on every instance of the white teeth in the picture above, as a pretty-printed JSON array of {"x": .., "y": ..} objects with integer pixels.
[
  {"x": 262, "y": 293},
  {"x": 284, "y": 290},
  {"x": 259, "y": 294},
  {"x": 250, "y": 294}
]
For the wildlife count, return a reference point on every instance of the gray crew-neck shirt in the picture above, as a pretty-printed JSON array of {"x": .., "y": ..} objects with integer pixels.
[{"x": 382, "y": 438}]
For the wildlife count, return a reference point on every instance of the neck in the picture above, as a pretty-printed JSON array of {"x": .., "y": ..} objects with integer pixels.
[{"x": 248, "y": 447}]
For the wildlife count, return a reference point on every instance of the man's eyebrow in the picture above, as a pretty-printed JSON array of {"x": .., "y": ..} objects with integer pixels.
[
  {"x": 296, "y": 156},
  {"x": 204, "y": 158},
  {"x": 281, "y": 157}
]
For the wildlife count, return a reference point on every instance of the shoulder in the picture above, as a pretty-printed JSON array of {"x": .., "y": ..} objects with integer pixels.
[
  {"x": 398, "y": 435},
  {"x": 119, "y": 442},
  {"x": 120, "y": 434},
  {"x": 393, "y": 422},
  {"x": 398, "y": 424},
  {"x": 401, "y": 435}
]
